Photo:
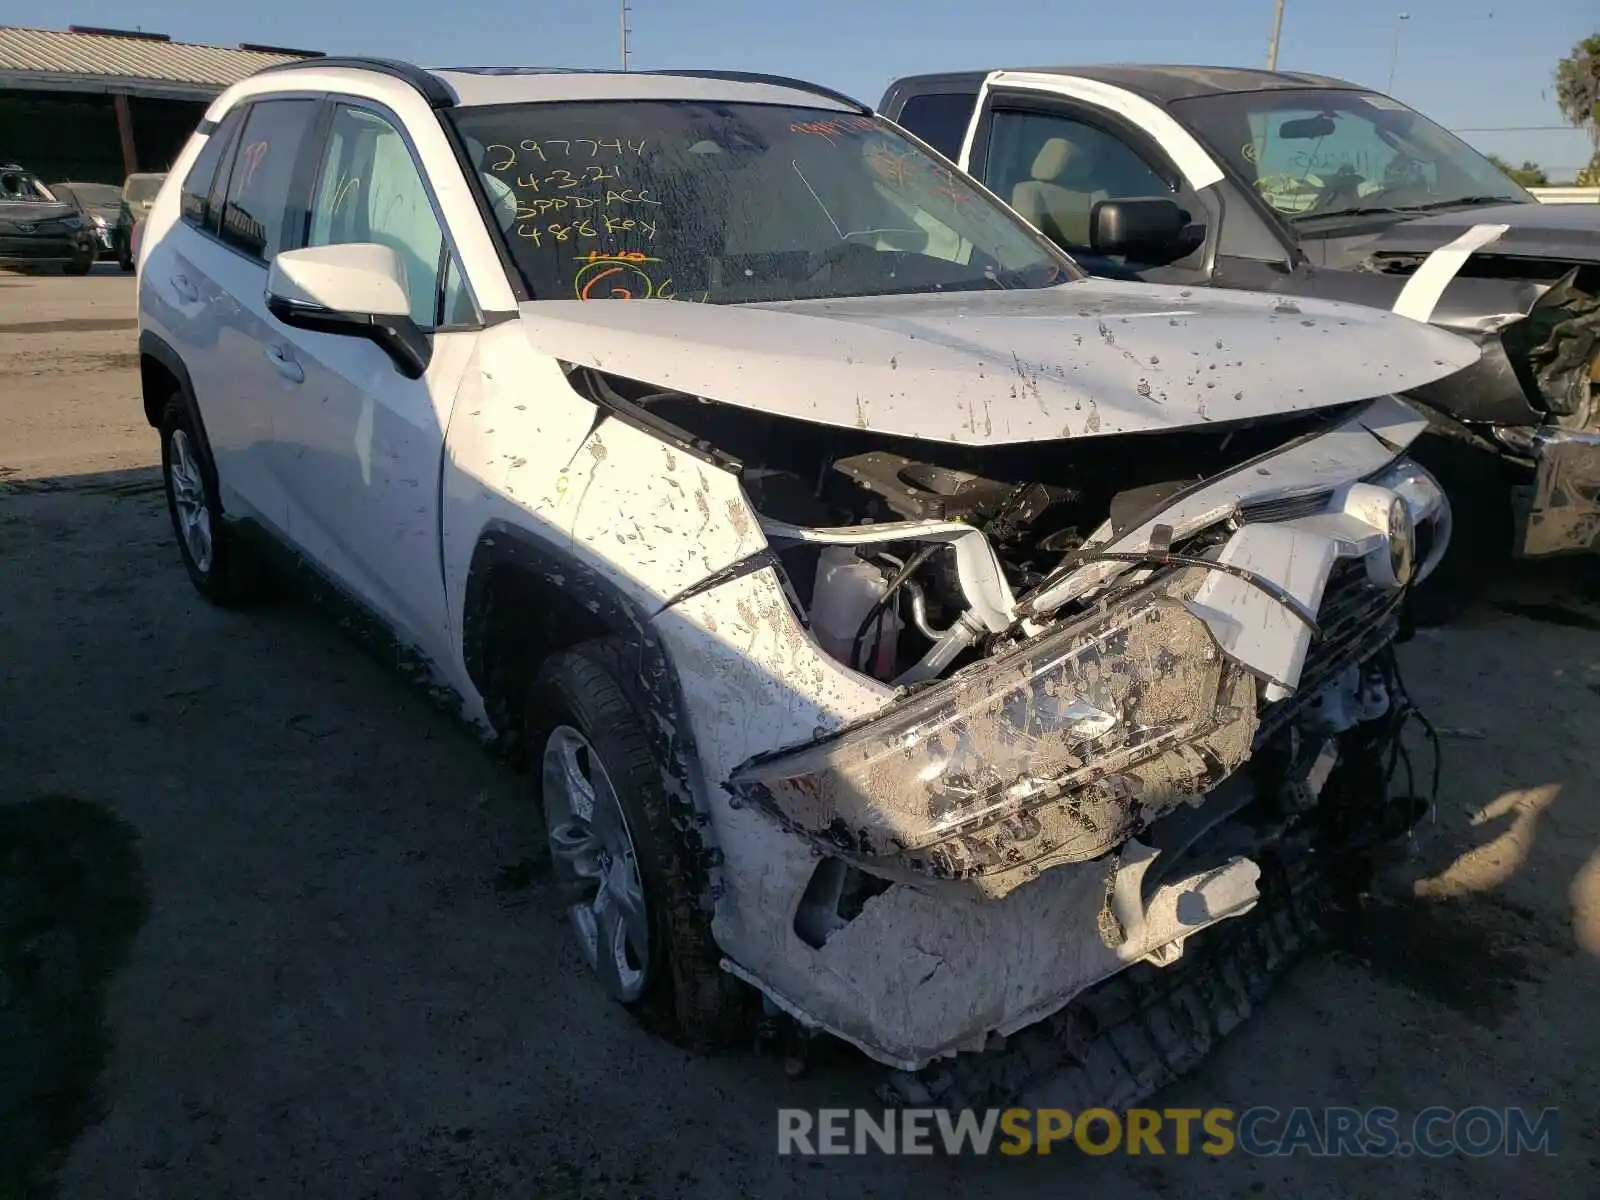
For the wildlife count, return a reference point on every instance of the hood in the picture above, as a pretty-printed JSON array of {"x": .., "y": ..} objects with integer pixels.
[
  {"x": 1565, "y": 231},
  {"x": 1088, "y": 358},
  {"x": 27, "y": 212}
]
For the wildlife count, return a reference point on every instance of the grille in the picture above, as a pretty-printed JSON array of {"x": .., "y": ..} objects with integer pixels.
[
  {"x": 1285, "y": 508},
  {"x": 1358, "y": 619}
]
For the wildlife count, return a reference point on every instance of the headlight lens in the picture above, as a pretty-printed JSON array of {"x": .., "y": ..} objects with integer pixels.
[
  {"x": 1066, "y": 724},
  {"x": 1420, "y": 491},
  {"x": 1430, "y": 517}
]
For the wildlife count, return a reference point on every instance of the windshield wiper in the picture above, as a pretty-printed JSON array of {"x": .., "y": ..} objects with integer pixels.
[
  {"x": 1460, "y": 201},
  {"x": 1370, "y": 211},
  {"x": 1379, "y": 209}
]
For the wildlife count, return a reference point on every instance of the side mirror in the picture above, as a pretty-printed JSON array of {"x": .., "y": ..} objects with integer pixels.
[
  {"x": 353, "y": 290},
  {"x": 1145, "y": 227}
]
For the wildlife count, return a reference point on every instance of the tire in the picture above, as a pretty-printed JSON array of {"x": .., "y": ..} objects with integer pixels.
[
  {"x": 683, "y": 994},
  {"x": 219, "y": 566},
  {"x": 1474, "y": 479},
  {"x": 124, "y": 255},
  {"x": 79, "y": 268}
]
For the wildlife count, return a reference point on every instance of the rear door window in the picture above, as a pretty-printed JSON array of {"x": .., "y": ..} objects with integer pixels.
[
  {"x": 255, "y": 212},
  {"x": 202, "y": 178}
]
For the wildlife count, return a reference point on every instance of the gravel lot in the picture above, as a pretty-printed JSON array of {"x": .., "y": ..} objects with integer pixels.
[{"x": 338, "y": 977}]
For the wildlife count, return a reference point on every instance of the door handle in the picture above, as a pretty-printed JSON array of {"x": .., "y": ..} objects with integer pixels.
[
  {"x": 187, "y": 292},
  {"x": 284, "y": 364}
]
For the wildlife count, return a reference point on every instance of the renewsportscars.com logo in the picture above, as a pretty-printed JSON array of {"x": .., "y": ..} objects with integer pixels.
[{"x": 1261, "y": 1132}]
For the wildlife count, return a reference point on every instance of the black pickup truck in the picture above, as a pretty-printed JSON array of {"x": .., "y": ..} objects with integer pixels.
[{"x": 1310, "y": 186}]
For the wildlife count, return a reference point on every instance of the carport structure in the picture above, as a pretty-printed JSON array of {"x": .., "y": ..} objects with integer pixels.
[{"x": 99, "y": 104}]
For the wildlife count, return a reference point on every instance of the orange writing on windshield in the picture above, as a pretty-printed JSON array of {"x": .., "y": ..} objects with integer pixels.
[{"x": 617, "y": 256}]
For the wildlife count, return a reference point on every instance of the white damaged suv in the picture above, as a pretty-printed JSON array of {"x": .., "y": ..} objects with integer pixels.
[{"x": 893, "y": 620}]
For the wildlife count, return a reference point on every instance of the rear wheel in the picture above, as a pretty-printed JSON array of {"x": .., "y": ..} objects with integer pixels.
[
  {"x": 218, "y": 566},
  {"x": 622, "y": 869}
]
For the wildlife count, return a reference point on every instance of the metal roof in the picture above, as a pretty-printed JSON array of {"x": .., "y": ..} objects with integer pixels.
[{"x": 63, "y": 60}]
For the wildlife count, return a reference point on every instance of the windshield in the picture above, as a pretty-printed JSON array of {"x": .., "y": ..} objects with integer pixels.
[
  {"x": 140, "y": 189},
  {"x": 21, "y": 186},
  {"x": 1318, "y": 153},
  {"x": 737, "y": 203}
]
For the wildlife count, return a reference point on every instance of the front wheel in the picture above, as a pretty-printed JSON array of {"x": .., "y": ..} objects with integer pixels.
[
  {"x": 80, "y": 266},
  {"x": 218, "y": 566},
  {"x": 622, "y": 870}
]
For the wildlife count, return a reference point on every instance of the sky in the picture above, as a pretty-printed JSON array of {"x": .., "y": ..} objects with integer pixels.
[{"x": 1472, "y": 65}]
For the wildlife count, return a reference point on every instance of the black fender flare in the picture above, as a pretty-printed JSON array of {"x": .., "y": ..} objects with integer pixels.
[
  {"x": 153, "y": 346},
  {"x": 655, "y": 688}
]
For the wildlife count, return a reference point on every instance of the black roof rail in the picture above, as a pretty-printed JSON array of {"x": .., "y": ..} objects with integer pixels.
[
  {"x": 800, "y": 85},
  {"x": 431, "y": 86},
  {"x": 137, "y": 35},
  {"x": 264, "y": 48}
]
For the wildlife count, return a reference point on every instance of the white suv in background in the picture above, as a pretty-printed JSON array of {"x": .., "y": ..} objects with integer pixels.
[{"x": 892, "y": 618}]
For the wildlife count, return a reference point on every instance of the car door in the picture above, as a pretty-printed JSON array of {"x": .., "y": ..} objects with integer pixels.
[
  {"x": 1052, "y": 160},
  {"x": 209, "y": 278},
  {"x": 360, "y": 449}
]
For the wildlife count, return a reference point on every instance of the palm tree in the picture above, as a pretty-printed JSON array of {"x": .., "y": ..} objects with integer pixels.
[{"x": 1578, "y": 94}]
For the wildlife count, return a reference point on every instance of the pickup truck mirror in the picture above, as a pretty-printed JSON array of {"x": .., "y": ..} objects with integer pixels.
[
  {"x": 1307, "y": 129},
  {"x": 1140, "y": 227},
  {"x": 354, "y": 290}
]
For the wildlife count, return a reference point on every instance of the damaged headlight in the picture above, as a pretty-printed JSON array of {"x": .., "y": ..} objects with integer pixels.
[
  {"x": 1421, "y": 534},
  {"x": 1058, "y": 750}
]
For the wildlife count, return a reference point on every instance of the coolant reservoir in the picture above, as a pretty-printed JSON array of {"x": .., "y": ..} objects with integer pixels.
[{"x": 846, "y": 589}]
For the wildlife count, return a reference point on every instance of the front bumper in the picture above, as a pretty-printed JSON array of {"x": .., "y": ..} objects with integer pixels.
[
  {"x": 42, "y": 251},
  {"x": 951, "y": 946}
]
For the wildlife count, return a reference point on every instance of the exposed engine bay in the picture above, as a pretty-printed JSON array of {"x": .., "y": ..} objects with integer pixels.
[
  {"x": 1026, "y": 740},
  {"x": 884, "y": 597}
]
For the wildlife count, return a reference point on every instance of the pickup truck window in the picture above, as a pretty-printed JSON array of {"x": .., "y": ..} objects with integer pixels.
[
  {"x": 737, "y": 203},
  {"x": 1315, "y": 152},
  {"x": 1053, "y": 170},
  {"x": 940, "y": 119}
]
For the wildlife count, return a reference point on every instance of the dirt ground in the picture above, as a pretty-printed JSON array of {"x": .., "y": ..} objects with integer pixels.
[{"x": 338, "y": 979}]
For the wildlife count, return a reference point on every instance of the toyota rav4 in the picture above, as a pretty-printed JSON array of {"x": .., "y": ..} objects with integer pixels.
[{"x": 896, "y": 624}]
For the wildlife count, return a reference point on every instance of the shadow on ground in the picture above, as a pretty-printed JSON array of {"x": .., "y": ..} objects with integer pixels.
[{"x": 72, "y": 896}]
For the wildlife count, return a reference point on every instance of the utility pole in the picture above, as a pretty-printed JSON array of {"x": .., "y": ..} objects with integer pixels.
[
  {"x": 625, "y": 32},
  {"x": 1394, "y": 48},
  {"x": 1277, "y": 28}
]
